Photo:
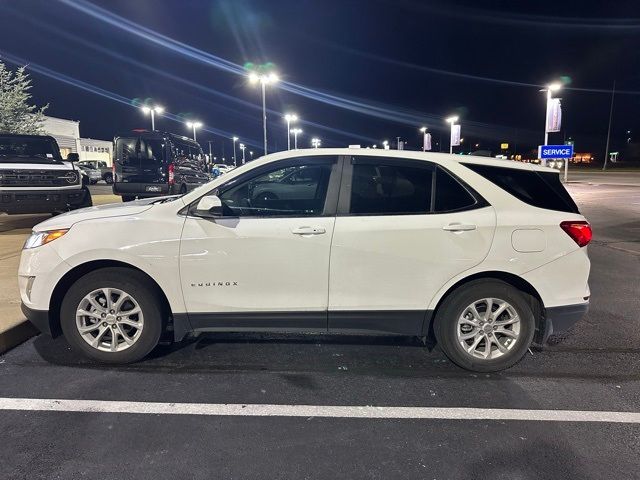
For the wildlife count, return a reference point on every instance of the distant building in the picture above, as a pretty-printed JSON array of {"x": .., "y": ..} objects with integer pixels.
[
  {"x": 91, "y": 149},
  {"x": 582, "y": 158},
  {"x": 67, "y": 134}
]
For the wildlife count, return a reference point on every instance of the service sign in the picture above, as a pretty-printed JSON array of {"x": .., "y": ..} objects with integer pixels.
[{"x": 555, "y": 151}]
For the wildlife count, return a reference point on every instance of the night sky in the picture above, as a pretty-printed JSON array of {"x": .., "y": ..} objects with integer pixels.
[{"x": 355, "y": 71}]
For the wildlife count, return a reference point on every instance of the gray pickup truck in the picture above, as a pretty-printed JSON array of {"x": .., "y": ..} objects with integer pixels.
[{"x": 106, "y": 172}]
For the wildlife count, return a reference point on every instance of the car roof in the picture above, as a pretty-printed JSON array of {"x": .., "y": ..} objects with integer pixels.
[
  {"x": 156, "y": 134},
  {"x": 441, "y": 158},
  {"x": 18, "y": 135}
]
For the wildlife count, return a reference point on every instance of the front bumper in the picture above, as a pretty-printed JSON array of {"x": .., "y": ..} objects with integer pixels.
[
  {"x": 41, "y": 201},
  {"x": 41, "y": 320},
  {"x": 561, "y": 319}
]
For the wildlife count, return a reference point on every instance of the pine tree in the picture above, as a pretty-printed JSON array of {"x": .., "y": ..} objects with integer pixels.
[{"x": 16, "y": 115}]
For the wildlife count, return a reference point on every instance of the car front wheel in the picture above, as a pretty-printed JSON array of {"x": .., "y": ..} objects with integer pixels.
[
  {"x": 112, "y": 315},
  {"x": 485, "y": 326}
]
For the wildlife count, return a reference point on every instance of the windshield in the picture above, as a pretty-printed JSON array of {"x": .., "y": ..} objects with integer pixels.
[{"x": 38, "y": 147}]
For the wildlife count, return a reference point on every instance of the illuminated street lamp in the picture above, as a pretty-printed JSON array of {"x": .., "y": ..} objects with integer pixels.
[
  {"x": 424, "y": 138},
  {"x": 194, "y": 125},
  {"x": 235, "y": 139},
  {"x": 242, "y": 147},
  {"x": 290, "y": 117},
  {"x": 152, "y": 110},
  {"x": 385, "y": 144},
  {"x": 251, "y": 154},
  {"x": 552, "y": 87},
  {"x": 295, "y": 132},
  {"x": 264, "y": 79},
  {"x": 452, "y": 120},
  {"x": 315, "y": 142}
]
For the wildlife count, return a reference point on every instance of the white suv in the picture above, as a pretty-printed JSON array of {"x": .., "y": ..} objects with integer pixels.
[{"x": 488, "y": 256}]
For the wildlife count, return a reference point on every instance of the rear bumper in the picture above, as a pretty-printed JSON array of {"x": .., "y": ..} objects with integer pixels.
[
  {"x": 41, "y": 201},
  {"x": 141, "y": 189},
  {"x": 561, "y": 319}
]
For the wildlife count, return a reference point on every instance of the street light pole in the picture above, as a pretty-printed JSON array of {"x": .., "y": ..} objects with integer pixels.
[
  {"x": 550, "y": 88},
  {"x": 194, "y": 125},
  {"x": 235, "y": 139},
  {"x": 315, "y": 142},
  {"x": 264, "y": 115},
  {"x": 152, "y": 111},
  {"x": 424, "y": 138},
  {"x": 606, "y": 150},
  {"x": 264, "y": 79},
  {"x": 289, "y": 117},
  {"x": 242, "y": 147},
  {"x": 451, "y": 120},
  {"x": 295, "y": 132}
]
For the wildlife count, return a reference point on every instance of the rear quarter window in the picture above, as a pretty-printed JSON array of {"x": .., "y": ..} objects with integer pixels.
[{"x": 538, "y": 189}]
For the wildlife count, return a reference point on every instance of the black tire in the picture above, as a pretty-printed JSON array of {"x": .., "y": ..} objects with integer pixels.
[
  {"x": 108, "y": 178},
  {"x": 137, "y": 285},
  {"x": 87, "y": 201},
  {"x": 446, "y": 324}
]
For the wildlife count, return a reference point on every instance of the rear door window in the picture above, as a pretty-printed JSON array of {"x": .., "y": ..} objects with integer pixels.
[
  {"x": 151, "y": 152},
  {"x": 388, "y": 189},
  {"x": 538, "y": 189},
  {"x": 451, "y": 195},
  {"x": 126, "y": 151}
]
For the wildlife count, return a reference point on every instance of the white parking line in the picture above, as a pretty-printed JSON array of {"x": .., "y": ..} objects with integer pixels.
[{"x": 328, "y": 411}]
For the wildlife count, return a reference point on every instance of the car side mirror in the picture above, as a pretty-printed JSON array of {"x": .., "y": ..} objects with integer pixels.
[
  {"x": 209, "y": 206},
  {"x": 73, "y": 157}
]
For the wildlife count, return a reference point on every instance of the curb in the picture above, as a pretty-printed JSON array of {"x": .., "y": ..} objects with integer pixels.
[
  {"x": 16, "y": 335},
  {"x": 605, "y": 183}
]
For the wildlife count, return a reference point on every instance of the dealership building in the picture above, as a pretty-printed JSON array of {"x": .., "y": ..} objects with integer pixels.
[{"x": 67, "y": 134}]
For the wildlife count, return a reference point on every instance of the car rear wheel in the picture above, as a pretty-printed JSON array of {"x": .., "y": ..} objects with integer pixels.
[
  {"x": 108, "y": 178},
  {"x": 485, "y": 326},
  {"x": 112, "y": 315}
]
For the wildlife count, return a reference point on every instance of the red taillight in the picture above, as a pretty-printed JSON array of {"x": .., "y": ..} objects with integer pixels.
[
  {"x": 579, "y": 231},
  {"x": 171, "y": 173}
]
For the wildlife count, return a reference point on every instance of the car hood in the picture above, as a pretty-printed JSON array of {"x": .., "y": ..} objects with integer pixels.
[
  {"x": 66, "y": 220},
  {"x": 34, "y": 163}
]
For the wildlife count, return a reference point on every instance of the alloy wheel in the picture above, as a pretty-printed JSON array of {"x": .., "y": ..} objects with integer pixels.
[
  {"x": 488, "y": 328},
  {"x": 109, "y": 319}
]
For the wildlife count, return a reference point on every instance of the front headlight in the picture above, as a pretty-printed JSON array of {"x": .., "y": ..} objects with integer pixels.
[{"x": 37, "y": 239}]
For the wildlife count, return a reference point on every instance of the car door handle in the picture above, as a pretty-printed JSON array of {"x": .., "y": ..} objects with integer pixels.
[
  {"x": 459, "y": 227},
  {"x": 308, "y": 231}
]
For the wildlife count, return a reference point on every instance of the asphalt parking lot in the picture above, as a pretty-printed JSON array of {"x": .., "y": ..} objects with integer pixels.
[{"x": 249, "y": 390}]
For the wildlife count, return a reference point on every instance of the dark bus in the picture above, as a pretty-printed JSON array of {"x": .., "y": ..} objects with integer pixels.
[{"x": 150, "y": 164}]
